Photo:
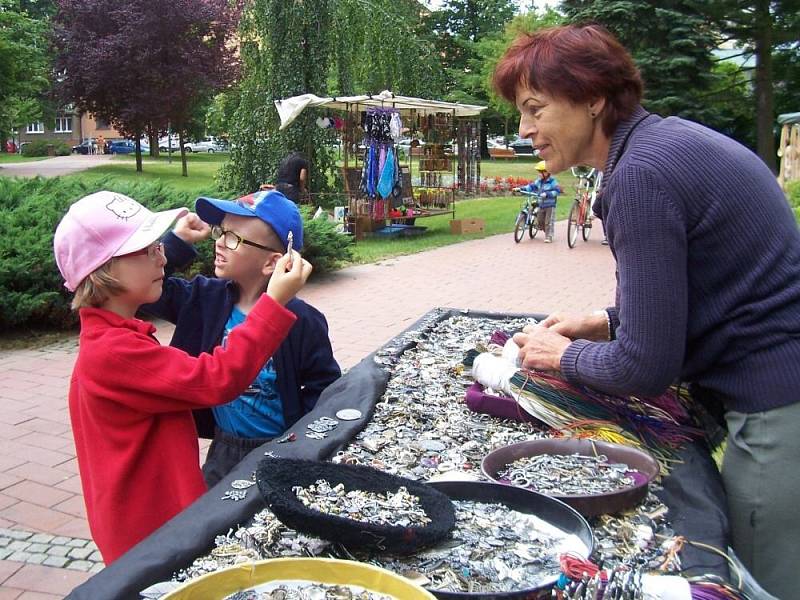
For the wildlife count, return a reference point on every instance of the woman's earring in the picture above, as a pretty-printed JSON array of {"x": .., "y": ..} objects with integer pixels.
[{"x": 593, "y": 114}]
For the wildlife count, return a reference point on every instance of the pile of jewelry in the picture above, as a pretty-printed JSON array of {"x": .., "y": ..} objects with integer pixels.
[
  {"x": 306, "y": 590},
  {"x": 393, "y": 509},
  {"x": 421, "y": 429},
  {"x": 493, "y": 549},
  {"x": 568, "y": 475}
]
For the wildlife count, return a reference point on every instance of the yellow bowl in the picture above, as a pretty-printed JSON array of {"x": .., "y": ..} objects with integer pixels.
[{"x": 222, "y": 583}]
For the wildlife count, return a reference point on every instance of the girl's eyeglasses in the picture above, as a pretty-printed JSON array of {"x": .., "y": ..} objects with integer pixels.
[
  {"x": 153, "y": 251},
  {"x": 232, "y": 240}
]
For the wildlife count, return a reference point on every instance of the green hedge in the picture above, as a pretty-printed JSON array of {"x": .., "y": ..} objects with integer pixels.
[
  {"x": 39, "y": 148},
  {"x": 32, "y": 294},
  {"x": 793, "y": 193}
]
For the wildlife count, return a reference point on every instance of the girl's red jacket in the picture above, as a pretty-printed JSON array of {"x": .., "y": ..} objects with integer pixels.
[{"x": 130, "y": 403}]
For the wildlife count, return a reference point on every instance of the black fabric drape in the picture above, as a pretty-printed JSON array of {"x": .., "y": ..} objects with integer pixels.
[{"x": 693, "y": 492}]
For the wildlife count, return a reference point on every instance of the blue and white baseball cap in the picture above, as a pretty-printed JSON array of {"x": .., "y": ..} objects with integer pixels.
[{"x": 272, "y": 207}]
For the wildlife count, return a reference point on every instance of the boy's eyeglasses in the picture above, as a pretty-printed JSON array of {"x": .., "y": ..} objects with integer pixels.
[
  {"x": 154, "y": 251},
  {"x": 232, "y": 240}
]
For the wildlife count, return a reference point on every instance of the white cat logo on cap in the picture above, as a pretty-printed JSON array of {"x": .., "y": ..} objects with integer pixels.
[{"x": 123, "y": 207}]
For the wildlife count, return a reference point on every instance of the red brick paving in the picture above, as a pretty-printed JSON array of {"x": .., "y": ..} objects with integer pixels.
[{"x": 365, "y": 306}]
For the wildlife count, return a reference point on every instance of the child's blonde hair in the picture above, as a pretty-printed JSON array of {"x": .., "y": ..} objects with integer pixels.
[{"x": 96, "y": 288}]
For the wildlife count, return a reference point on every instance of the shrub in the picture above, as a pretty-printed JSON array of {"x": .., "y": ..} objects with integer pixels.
[
  {"x": 39, "y": 148},
  {"x": 793, "y": 193},
  {"x": 32, "y": 293}
]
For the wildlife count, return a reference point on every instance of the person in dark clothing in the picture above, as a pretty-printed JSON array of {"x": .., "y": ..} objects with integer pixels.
[
  {"x": 292, "y": 179},
  {"x": 251, "y": 233},
  {"x": 707, "y": 293}
]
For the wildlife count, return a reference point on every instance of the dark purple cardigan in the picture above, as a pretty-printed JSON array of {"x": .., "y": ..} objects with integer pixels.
[{"x": 708, "y": 270}]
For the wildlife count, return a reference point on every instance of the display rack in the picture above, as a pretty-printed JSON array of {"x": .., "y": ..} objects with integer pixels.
[{"x": 420, "y": 191}]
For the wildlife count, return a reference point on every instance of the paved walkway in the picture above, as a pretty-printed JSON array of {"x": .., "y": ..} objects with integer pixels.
[
  {"x": 51, "y": 167},
  {"x": 44, "y": 539}
]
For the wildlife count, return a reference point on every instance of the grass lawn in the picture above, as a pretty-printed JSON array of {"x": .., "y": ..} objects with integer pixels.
[
  {"x": 201, "y": 168},
  {"x": 5, "y": 157},
  {"x": 499, "y": 213}
]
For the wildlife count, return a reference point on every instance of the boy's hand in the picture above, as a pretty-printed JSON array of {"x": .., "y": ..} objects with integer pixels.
[
  {"x": 283, "y": 284},
  {"x": 191, "y": 229}
]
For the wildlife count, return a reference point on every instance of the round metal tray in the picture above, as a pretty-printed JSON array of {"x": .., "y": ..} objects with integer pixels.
[
  {"x": 587, "y": 505},
  {"x": 548, "y": 509},
  {"x": 222, "y": 583}
]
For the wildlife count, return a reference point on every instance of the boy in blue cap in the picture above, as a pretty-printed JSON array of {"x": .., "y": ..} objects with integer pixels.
[{"x": 251, "y": 234}]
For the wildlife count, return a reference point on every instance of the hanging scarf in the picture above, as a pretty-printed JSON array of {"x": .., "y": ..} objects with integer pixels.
[{"x": 386, "y": 181}]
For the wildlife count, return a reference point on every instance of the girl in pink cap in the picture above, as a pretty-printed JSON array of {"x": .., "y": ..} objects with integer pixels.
[{"x": 130, "y": 398}]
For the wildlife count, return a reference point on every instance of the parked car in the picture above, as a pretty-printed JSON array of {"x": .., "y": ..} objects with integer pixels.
[
  {"x": 164, "y": 143},
  {"x": 125, "y": 147},
  {"x": 522, "y": 146},
  {"x": 208, "y": 144},
  {"x": 83, "y": 147}
]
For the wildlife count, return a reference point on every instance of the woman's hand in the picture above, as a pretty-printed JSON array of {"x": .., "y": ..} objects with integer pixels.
[
  {"x": 592, "y": 327},
  {"x": 541, "y": 348},
  {"x": 283, "y": 284},
  {"x": 191, "y": 229}
]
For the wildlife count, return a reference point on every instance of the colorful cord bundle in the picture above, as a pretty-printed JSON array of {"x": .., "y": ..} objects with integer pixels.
[
  {"x": 660, "y": 424},
  {"x": 581, "y": 579}
]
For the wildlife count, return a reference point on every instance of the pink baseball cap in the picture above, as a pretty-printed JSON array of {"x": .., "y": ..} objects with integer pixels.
[{"x": 103, "y": 225}]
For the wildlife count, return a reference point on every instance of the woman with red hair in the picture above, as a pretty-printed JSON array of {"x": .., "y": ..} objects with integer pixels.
[{"x": 708, "y": 290}]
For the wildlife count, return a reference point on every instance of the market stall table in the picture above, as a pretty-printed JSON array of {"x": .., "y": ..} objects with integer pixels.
[{"x": 692, "y": 492}]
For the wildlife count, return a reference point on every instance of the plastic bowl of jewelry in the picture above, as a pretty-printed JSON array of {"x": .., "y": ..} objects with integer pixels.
[
  {"x": 506, "y": 545},
  {"x": 300, "y": 578},
  {"x": 355, "y": 505},
  {"x": 592, "y": 476}
]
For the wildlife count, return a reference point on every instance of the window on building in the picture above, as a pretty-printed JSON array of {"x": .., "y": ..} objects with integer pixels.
[
  {"x": 63, "y": 125},
  {"x": 37, "y": 127},
  {"x": 101, "y": 124}
]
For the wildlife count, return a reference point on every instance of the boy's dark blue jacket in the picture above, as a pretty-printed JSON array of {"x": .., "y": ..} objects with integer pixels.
[{"x": 199, "y": 309}]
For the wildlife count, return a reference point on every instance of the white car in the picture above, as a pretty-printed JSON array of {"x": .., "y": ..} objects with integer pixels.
[
  {"x": 209, "y": 145},
  {"x": 164, "y": 143}
]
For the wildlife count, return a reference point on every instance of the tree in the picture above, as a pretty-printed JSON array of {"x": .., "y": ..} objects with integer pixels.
[
  {"x": 458, "y": 29},
  {"x": 24, "y": 66},
  {"x": 490, "y": 49},
  {"x": 761, "y": 26},
  {"x": 460, "y": 24},
  {"x": 321, "y": 47},
  {"x": 787, "y": 84},
  {"x": 142, "y": 63},
  {"x": 385, "y": 47},
  {"x": 671, "y": 44}
]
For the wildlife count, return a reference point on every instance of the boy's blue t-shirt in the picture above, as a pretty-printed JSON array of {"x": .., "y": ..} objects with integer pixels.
[{"x": 258, "y": 412}]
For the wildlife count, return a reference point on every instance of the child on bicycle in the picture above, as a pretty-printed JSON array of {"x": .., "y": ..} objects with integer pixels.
[
  {"x": 131, "y": 399},
  {"x": 546, "y": 188}
]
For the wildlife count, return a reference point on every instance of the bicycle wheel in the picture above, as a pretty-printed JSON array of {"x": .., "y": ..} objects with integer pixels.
[
  {"x": 572, "y": 225},
  {"x": 519, "y": 226},
  {"x": 586, "y": 220},
  {"x": 586, "y": 230},
  {"x": 533, "y": 226}
]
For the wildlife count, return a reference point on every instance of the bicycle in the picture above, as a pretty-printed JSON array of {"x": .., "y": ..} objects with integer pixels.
[
  {"x": 528, "y": 217},
  {"x": 580, "y": 215}
]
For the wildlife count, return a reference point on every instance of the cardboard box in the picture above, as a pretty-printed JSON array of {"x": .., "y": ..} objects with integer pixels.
[{"x": 459, "y": 226}]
